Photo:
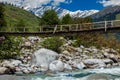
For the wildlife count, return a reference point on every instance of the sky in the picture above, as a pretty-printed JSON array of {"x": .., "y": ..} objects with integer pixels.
[
  {"x": 82, "y": 5},
  {"x": 72, "y": 5}
]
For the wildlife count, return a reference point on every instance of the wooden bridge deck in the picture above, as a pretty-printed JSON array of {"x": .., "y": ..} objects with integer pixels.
[{"x": 70, "y": 29}]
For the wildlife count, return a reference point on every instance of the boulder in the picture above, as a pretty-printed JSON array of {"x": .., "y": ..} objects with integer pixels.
[
  {"x": 79, "y": 50},
  {"x": 78, "y": 64},
  {"x": 43, "y": 56},
  {"x": 67, "y": 67},
  {"x": 16, "y": 62},
  {"x": 26, "y": 71},
  {"x": 92, "y": 61},
  {"x": 3, "y": 70},
  {"x": 8, "y": 64},
  {"x": 97, "y": 63},
  {"x": 27, "y": 44},
  {"x": 81, "y": 65},
  {"x": 33, "y": 38},
  {"x": 56, "y": 66},
  {"x": 107, "y": 61},
  {"x": 44, "y": 67}
]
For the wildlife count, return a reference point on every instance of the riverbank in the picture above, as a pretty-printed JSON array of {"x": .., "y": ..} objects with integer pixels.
[{"x": 35, "y": 58}]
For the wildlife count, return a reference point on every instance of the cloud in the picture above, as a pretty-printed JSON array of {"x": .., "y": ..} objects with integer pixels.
[
  {"x": 110, "y": 2},
  {"x": 36, "y": 3}
]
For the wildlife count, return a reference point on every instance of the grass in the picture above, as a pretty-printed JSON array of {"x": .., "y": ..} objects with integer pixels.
[{"x": 14, "y": 14}]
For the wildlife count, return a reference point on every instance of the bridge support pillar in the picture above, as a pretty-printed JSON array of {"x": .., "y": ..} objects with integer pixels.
[{"x": 105, "y": 26}]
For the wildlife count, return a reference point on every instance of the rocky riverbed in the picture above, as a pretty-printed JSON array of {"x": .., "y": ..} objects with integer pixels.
[{"x": 36, "y": 59}]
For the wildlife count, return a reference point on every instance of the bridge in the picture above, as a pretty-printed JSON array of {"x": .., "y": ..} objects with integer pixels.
[{"x": 70, "y": 29}]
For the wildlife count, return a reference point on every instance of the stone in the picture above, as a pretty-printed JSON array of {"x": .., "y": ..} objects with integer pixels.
[
  {"x": 27, "y": 44},
  {"x": 114, "y": 58},
  {"x": 43, "y": 56},
  {"x": 95, "y": 51},
  {"x": 66, "y": 52},
  {"x": 33, "y": 39},
  {"x": 26, "y": 71},
  {"x": 82, "y": 47},
  {"x": 8, "y": 64},
  {"x": 18, "y": 69},
  {"x": 67, "y": 67},
  {"x": 3, "y": 70},
  {"x": 79, "y": 50},
  {"x": 56, "y": 66},
  {"x": 92, "y": 61},
  {"x": 107, "y": 61},
  {"x": 44, "y": 67},
  {"x": 81, "y": 65},
  {"x": 112, "y": 51},
  {"x": 16, "y": 62}
]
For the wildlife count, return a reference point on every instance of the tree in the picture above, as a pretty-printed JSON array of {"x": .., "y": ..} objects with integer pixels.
[
  {"x": 2, "y": 19},
  {"x": 50, "y": 18},
  {"x": 67, "y": 19}
]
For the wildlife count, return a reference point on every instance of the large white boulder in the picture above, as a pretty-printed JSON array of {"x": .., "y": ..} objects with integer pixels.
[
  {"x": 56, "y": 66},
  {"x": 43, "y": 57},
  {"x": 44, "y": 67}
]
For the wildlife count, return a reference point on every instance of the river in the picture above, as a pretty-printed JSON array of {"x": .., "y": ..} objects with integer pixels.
[{"x": 88, "y": 74}]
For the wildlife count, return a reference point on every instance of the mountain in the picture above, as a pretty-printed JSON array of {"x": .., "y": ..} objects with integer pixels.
[
  {"x": 109, "y": 13},
  {"x": 61, "y": 12},
  {"x": 13, "y": 15},
  {"x": 39, "y": 9}
]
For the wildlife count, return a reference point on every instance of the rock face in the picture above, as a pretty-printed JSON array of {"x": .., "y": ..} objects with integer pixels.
[
  {"x": 56, "y": 66},
  {"x": 43, "y": 57}
]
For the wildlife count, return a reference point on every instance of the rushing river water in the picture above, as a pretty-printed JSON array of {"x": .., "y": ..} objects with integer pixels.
[{"x": 89, "y": 74}]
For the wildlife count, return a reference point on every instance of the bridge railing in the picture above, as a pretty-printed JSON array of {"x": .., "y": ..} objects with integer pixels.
[{"x": 68, "y": 27}]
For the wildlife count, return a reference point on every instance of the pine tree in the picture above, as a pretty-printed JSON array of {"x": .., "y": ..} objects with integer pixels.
[
  {"x": 50, "y": 18},
  {"x": 67, "y": 19}
]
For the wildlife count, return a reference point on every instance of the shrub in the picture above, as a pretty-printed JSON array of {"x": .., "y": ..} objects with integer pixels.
[
  {"x": 97, "y": 40},
  {"x": 10, "y": 47},
  {"x": 53, "y": 43}
]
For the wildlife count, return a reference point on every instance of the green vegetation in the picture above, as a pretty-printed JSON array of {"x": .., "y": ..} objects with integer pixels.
[
  {"x": 14, "y": 15},
  {"x": 67, "y": 19},
  {"x": 2, "y": 19},
  {"x": 83, "y": 20},
  {"x": 50, "y": 18},
  {"x": 98, "y": 40},
  {"x": 118, "y": 17},
  {"x": 53, "y": 43},
  {"x": 10, "y": 47},
  {"x": 20, "y": 25}
]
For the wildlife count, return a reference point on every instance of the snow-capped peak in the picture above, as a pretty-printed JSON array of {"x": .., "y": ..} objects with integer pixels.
[
  {"x": 62, "y": 12},
  {"x": 38, "y": 10}
]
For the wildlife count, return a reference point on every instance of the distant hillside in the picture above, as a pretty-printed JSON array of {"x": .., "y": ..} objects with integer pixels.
[
  {"x": 14, "y": 14},
  {"x": 109, "y": 13}
]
